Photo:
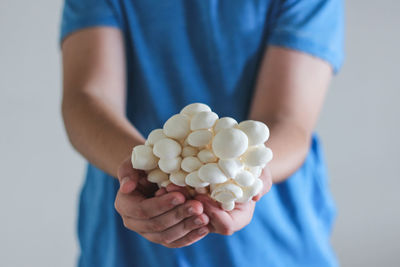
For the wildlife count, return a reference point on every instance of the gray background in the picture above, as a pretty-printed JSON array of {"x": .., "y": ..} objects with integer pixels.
[{"x": 41, "y": 174}]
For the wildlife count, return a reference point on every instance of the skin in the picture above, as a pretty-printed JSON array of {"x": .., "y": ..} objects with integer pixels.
[{"x": 288, "y": 96}]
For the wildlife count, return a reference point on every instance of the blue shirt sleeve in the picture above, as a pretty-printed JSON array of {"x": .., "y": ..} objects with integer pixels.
[
  {"x": 315, "y": 27},
  {"x": 79, "y": 14}
]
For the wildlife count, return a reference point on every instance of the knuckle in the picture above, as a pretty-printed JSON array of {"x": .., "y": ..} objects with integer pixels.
[
  {"x": 227, "y": 230},
  {"x": 165, "y": 239},
  {"x": 180, "y": 212},
  {"x": 142, "y": 213},
  {"x": 154, "y": 226}
]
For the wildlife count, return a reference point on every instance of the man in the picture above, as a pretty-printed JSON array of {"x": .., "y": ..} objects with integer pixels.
[{"x": 130, "y": 65}]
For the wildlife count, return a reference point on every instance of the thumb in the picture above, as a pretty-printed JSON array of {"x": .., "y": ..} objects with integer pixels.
[
  {"x": 127, "y": 184},
  {"x": 128, "y": 177}
]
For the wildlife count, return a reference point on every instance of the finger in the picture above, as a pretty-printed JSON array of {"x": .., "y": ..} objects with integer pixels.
[
  {"x": 220, "y": 220},
  {"x": 190, "y": 238},
  {"x": 183, "y": 190},
  {"x": 128, "y": 177},
  {"x": 155, "y": 206},
  {"x": 128, "y": 184},
  {"x": 171, "y": 218},
  {"x": 180, "y": 230},
  {"x": 125, "y": 204},
  {"x": 160, "y": 192}
]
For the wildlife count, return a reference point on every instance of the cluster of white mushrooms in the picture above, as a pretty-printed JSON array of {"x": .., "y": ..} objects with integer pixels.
[{"x": 211, "y": 155}]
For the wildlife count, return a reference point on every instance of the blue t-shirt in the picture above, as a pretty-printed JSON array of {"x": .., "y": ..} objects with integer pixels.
[{"x": 184, "y": 51}]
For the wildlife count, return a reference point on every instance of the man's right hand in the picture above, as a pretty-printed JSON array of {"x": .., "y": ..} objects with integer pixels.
[{"x": 168, "y": 219}]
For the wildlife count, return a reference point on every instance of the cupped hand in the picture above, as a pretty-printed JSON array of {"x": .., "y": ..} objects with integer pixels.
[
  {"x": 228, "y": 222},
  {"x": 169, "y": 219}
]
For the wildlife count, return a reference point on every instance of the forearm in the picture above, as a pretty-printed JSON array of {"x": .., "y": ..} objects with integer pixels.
[
  {"x": 290, "y": 145},
  {"x": 99, "y": 130}
]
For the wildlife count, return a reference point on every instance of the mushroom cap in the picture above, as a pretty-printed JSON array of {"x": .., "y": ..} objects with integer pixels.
[
  {"x": 207, "y": 156},
  {"x": 194, "y": 180},
  {"x": 191, "y": 164},
  {"x": 142, "y": 158},
  {"x": 189, "y": 151},
  {"x": 164, "y": 183},
  {"x": 251, "y": 191},
  {"x": 199, "y": 138},
  {"x": 177, "y": 127},
  {"x": 256, "y": 187},
  {"x": 154, "y": 136},
  {"x": 167, "y": 148},
  {"x": 230, "y": 166},
  {"x": 201, "y": 190},
  {"x": 212, "y": 174},
  {"x": 228, "y": 187},
  {"x": 194, "y": 108},
  {"x": 257, "y": 156},
  {"x": 224, "y": 196},
  {"x": 229, "y": 143},
  {"x": 178, "y": 178},
  {"x": 228, "y": 206},
  {"x": 224, "y": 123},
  {"x": 203, "y": 120},
  {"x": 157, "y": 176},
  {"x": 244, "y": 178},
  {"x": 246, "y": 196},
  {"x": 256, "y": 131},
  {"x": 170, "y": 165},
  {"x": 256, "y": 170}
]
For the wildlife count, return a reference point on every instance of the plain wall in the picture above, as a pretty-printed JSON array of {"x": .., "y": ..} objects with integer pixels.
[{"x": 42, "y": 175}]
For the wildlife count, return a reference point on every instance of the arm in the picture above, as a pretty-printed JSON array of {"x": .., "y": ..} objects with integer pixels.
[
  {"x": 289, "y": 93},
  {"x": 93, "y": 111},
  {"x": 93, "y": 104}
]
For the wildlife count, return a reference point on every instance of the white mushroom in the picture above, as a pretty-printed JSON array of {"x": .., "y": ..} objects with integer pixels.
[
  {"x": 189, "y": 151},
  {"x": 228, "y": 206},
  {"x": 212, "y": 174},
  {"x": 194, "y": 108},
  {"x": 201, "y": 190},
  {"x": 155, "y": 136},
  {"x": 199, "y": 138},
  {"x": 207, "y": 156},
  {"x": 256, "y": 170},
  {"x": 257, "y": 156},
  {"x": 224, "y": 123},
  {"x": 157, "y": 176},
  {"x": 235, "y": 190},
  {"x": 230, "y": 166},
  {"x": 203, "y": 120},
  {"x": 178, "y": 178},
  {"x": 256, "y": 131},
  {"x": 178, "y": 126},
  {"x": 170, "y": 165},
  {"x": 143, "y": 159},
  {"x": 167, "y": 148},
  {"x": 256, "y": 187},
  {"x": 229, "y": 143},
  {"x": 164, "y": 183},
  {"x": 191, "y": 164},
  {"x": 251, "y": 191},
  {"x": 244, "y": 178},
  {"x": 225, "y": 196},
  {"x": 193, "y": 179}
]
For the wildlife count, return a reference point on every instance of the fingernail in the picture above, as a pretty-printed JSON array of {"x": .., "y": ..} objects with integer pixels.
[
  {"x": 198, "y": 221},
  {"x": 124, "y": 180},
  {"x": 202, "y": 231},
  {"x": 175, "y": 201},
  {"x": 190, "y": 210}
]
